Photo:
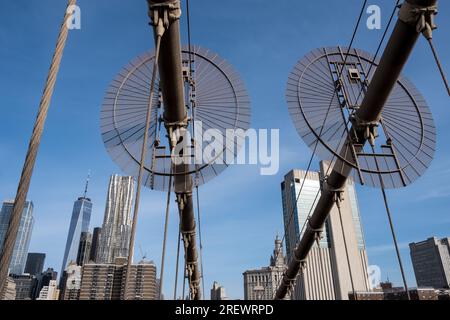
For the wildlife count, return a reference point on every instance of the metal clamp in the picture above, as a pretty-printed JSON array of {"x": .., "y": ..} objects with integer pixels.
[
  {"x": 318, "y": 232},
  {"x": 338, "y": 193},
  {"x": 369, "y": 129},
  {"x": 173, "y": 131},
  {"x": 167, "y": 11},
  {"x": 419, "y": 16},
  {"x": 288, "y": 281},
  {"x": 182, "y": 123}
]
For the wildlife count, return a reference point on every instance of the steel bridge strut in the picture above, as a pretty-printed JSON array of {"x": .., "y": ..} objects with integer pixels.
[
  {"x": 175, "y": 119},
  {"x": 413, "y": 14}
]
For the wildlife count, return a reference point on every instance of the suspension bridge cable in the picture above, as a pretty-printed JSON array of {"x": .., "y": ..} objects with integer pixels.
[
  {"x": 394, "y": 237},
  {"x": 200, "y": 239},
  {"x": 30, "y": 160},
  {"x": 315, "y": 198},
  {"x": 355, "y": 31},
  {"x": 396, "y": 6},
  {"x": 166, "y": 224},
  {"x": 338, "y": 205},
  {"x": 184, "y": 280},
  {"x": 383, "y": 190},
  {"x": 188, "y": 19},
  {"x": 391, "y": 225},
  {"x": 191, "y": 72},
  {"x": 142, "y": 162},
  {"x": 177, "y": 265},
  {"x": 439, "y": 65},
  {"x": 188, "y": 14}
]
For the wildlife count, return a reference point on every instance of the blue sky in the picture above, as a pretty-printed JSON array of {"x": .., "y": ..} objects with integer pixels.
[{"x": 241, "y": 210}]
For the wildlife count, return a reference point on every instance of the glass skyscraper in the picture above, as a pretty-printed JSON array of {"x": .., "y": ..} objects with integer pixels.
[
  {"x": 306, "y": 204},
  {"x": 35, "y": 263},
  {"x": 326, "y": 275},
  {"x": 81, "y": 217},
  {"x": 20, "y": 252}
]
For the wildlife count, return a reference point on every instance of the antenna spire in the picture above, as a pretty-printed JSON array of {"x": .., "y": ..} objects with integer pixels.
[{"x": 87, "y": 184}]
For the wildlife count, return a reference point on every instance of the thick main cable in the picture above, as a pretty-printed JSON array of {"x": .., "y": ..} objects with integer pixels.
[{"x": 33, "y": 148}]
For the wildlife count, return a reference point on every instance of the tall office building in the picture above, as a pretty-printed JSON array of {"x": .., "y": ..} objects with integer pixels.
[
  {"x": 327, "y": 275},
  {"x": 261, "y": 284},
  {"x": 81, "y": 217},
  {"x": 49, "y": 292},
  {"x": 71, "y": 283},
  {"x": 116, "y": 229},
  {"x": 142, "y": 282},
  {"x": 107, "y": 281},
  {"x": 94, "y": 244},
  {"x": 84, "y": 249},
  {"x": 24, "y": 286},
  {"x": 431, "y": 262},
  {"x": 102, "y": 281},
  {"x": 43, "y": 280},
  {"x": 35, "y": 263},
  {"x": 9, "y": 292},
  {"x": 218, "y": 292},
  {"x": 20, "y": 252}
]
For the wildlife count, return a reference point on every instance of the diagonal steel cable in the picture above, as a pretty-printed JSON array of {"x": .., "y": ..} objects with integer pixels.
[
  {"x": 142, "y": 167},
  {"x": 33, "y": 148}
]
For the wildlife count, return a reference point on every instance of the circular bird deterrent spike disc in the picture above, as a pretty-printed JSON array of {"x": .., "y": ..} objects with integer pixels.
[
  {"x": 323, "y": 94},
  {"x": 219, "y": 101}
]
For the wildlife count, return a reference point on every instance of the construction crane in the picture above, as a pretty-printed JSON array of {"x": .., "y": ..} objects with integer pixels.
[{"x": 143, "y": 254}]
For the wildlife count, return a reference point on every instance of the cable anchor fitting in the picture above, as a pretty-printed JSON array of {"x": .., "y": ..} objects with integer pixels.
[
  {"x": 318, "y": 233},
  {"x": 166, "y": 12},
  {"x": 368, "y": 129},
  {"x": 420, "y": 17}
]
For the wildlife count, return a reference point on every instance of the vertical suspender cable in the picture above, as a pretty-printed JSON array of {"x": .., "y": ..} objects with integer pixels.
[
  {"x": 179, "y": 232},
  {"x": 166, "y": 223},
  {"x": 338, "y": 205},
  {"x": 142, "y": 162},
  {"x": 438, "y": 62},
  {"x": 184, "y": 280},
  {"x": 33, "y": 148},
  {"x": 380, "y": 44},
  {"x": 177, "y": 266},
  {"x": 200, "y": 239},
  {"x": 188, "y": 13},
  {"x": 394, "y": 237},
  {"x": 391, "y": 225}
]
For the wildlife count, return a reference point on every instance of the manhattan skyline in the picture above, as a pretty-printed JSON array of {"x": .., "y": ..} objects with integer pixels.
[{"x": 240, "y": 201}]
